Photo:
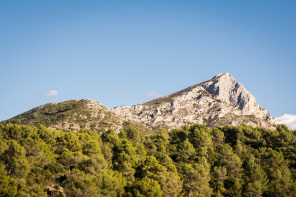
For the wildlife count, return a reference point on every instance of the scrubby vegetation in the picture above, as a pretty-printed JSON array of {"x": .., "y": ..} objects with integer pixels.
[
  {"x": 70, "y": 115},
  {"x": 49, "y": 114},
  {"x": 193, "y": 161}
]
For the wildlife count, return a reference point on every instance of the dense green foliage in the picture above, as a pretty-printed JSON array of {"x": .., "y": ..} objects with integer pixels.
[{"x": 193, "y": 161}]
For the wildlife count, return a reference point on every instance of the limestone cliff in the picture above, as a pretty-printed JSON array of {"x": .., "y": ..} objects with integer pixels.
[{"x": 216, "y": 102}]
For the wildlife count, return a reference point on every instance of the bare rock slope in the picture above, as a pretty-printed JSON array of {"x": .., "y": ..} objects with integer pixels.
[{"x": 216, "y": 102}]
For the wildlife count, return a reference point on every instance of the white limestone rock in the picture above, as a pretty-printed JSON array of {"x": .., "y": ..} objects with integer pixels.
[{"x": 219, "y": 101}]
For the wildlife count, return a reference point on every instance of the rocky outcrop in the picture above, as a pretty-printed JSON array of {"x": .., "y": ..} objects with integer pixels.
[{"x": 216, "y": 102}]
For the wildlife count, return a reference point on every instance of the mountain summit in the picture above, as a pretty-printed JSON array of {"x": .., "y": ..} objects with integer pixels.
[{"x": 217, "y": 102}]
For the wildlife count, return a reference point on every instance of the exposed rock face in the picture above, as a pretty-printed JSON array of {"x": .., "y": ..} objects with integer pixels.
[
  {"x": 216, "y": 102},
  {"x": 227, "y": 90}
]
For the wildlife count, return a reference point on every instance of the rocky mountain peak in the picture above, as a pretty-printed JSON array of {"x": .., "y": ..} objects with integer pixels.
[
  {"x": 218, "y": 101},
  {"x": 225, "y": 88}
]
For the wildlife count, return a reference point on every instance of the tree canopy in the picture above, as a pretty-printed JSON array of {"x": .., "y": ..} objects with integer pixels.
[{"x": 193, "y": 161}]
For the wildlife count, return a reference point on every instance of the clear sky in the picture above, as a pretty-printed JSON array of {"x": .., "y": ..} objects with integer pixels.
[{"x": 129, "y": 52}]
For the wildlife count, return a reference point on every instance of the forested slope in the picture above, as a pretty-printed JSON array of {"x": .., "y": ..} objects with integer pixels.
[{"x": 193, "y": 161}]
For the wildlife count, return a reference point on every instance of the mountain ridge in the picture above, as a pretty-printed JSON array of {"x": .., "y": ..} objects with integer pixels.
[
  {"x": 219, "y": 101},
  {"x": 71, "y": 115}
]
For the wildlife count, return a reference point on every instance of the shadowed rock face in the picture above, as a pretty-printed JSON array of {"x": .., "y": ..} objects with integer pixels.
[
  {"x": 216, "y": 102},
  {"x": 226, "y": 89}
]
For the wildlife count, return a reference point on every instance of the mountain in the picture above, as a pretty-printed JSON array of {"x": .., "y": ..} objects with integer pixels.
[
  {"x": 217, "y": 102},
  {"x": 71, "y": 115}
]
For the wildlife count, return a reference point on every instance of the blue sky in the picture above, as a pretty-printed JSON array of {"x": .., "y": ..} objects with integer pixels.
[{"x": 129, "y": 52}]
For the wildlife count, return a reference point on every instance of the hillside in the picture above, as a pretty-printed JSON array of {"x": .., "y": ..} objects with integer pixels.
[
  {"x": 219, "y": 101},
  {"x": 71, "y": 115}
]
